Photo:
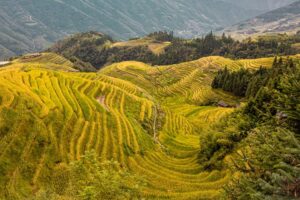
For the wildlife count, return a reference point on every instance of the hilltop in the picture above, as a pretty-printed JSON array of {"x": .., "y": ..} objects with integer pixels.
[
  {"x": 163, "y": 48},
  {"x": 147, "y": 119}
]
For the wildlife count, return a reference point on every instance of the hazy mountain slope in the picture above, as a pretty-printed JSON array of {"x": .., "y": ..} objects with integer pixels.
[
  {"x": 261, "y": 5},
  {"x": 20, "y": 32},
  {"x": 282, "y": 20},
  {"x": 31, "y": 25}
]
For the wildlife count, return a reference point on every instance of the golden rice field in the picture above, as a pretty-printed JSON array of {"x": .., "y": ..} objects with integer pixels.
[{"x": 148, "y": 119}]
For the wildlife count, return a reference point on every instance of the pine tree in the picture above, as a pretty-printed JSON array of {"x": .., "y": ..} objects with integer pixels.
[{"x": 271, "y": 167}]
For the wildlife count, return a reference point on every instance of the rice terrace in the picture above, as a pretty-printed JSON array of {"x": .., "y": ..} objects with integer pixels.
[
  {"x": 157, "y": 102},
  {"x": 147, "y": 119}
]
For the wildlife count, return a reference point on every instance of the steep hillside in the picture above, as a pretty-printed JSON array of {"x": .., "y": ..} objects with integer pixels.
[
  {"x": 21, "y": 32},
  {"x": 147, "y": 119},
  {"x": 281, "y": 20},
  {"x": 28, "y": 26}
]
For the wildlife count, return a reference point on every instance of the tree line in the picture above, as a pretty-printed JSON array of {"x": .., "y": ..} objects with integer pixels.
[
  {"x": 262, "y": 138},
  {"x": 96, "y": 50},
  {"x": 246, "y": 83}
]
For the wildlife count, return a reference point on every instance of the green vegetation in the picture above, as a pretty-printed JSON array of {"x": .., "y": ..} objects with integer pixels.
[
  {"x": 247, "y": 83},
  {"x": 270, "y": 166},
  {"x": 162, "y": 48},
  {"x": 89, "y": 179},
  {"x": 267, "y": 148}
]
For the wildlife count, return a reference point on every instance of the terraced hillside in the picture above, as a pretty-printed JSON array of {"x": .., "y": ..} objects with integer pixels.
[{"x": 148, "y": 119}]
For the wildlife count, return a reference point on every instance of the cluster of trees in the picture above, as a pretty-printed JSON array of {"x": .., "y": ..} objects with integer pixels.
[
  {"x": 270, "y": 167},
  {"x": 162, "y": 36},
  {"x": 89, "y": 179},
  {"x": 227, "y": 47},
  {"x": 276, "y": 94},
  {"x": 246, "y": 83},
  {"x": 235, "y": 82},
  {"x": 263, "y": 137},
  {"x": 273, "y": 157},
  {"x": 84, "y": 49},
  {"x": 182, "y": 50},
  {"x": 262, "y": 47},
  {"x": 96, "y": 49}
]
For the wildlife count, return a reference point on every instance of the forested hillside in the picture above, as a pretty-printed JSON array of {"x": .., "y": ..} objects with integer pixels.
[
  {"x": 268, "y": 157},
  {"x": 163, "y": 48}
]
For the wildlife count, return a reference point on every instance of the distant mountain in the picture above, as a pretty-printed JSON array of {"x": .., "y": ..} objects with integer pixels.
[
  {"x": 282, "y": 20},
  {"x": 32, "y": 25},
  {"x": 261, "y": 5}
]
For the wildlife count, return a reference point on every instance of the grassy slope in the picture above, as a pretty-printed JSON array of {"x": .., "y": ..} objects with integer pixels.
[
  {"x": 49, "y": 61},
  {"x": 146, "y": 118},
  {"x": 156, "y": 47}
]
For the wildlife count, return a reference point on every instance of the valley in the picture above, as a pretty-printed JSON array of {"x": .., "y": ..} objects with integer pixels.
[
  {"x": 147, "y": 119},
  {"x": 150, "y": 100}
]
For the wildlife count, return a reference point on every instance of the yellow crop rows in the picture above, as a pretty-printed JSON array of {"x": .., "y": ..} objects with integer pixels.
[{"x": 148, "y": 119}]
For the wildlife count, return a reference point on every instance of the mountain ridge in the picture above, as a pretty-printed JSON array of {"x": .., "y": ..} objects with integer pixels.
[
  {"x": 282, "y": 20},
  {"x": 32, "y": 26}
]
